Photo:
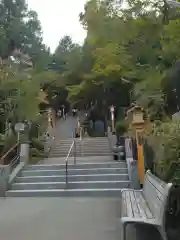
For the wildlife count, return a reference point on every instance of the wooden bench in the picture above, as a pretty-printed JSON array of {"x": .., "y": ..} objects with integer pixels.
[{"x": 146, "y": 206}]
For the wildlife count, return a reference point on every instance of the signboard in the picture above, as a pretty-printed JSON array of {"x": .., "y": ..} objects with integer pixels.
[{"x": 19, "y": 127}]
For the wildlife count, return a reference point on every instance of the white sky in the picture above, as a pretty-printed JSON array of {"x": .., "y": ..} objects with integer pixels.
[{"x": 59, "y": 18}]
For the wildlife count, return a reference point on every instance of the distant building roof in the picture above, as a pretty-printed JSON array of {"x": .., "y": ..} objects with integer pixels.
[{"x": 134, "y": 107}]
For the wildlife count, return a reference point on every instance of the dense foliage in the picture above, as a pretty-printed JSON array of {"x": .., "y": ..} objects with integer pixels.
[{"x": 131, "y": 53}]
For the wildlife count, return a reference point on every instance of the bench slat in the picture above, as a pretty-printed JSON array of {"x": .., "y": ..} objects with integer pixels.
[
  {"x": 123, "y": 205},
  {"x": 159, "y": 184},
  {"x": 155, "y": 194},
  {"x": 126, "y": 204},
  {"x": 134, "y": 205},
  {"x": 129, "y": 205},
  {"x": 155, "y": 204},
  {"x": 143, "y": 206}
]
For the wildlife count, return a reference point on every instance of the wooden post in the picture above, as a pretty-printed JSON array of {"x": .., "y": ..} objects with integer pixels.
[{"x": 141, "y": 167}]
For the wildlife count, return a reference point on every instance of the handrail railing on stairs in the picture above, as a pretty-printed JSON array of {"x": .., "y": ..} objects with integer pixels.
[
  {"x": 72, "y": 147},
  {"x": 11, "y": 157},
  {"x": 81, "y": 140}
]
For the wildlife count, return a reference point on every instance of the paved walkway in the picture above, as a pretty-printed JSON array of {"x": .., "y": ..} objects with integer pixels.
[
  {"x": 64, "y": 128},
  {"x": 63, "y": 219}
]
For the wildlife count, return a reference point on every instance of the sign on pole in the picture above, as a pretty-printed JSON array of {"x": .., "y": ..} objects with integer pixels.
[{"x": 19, "y": 127}]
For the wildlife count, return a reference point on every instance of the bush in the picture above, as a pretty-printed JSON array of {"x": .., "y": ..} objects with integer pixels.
[
  {"x": 121, "y": 127},
  {"x": 37, "y": 144},
  {"x": 168, "y": 149},
  {"x": 35, "y": 153},
  {"x": 33, "y": 133},
  {"x": 36, "y": 156},
  {"x": 2, "y": 137}
]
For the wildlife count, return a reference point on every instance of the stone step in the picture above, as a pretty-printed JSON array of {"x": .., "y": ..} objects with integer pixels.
[
  {"x": 78, "y": 155},
  {"x": 112, "y": 164},
  {"x": 77, "y": 140},
  {"x": 81, "y": 143},
  {"x": 95, "y": 148},
  {"x": 113, "y": 192},
  {"x": 62, "y": 147},
  {"x": 84, "y": 139},
  {"x": 61, "y": 154},
  {"x": 93, "y": 153},
  {"x": 71, "y": 185},
  {"x": 79, "y": 160},
  {"x": 89, "y": 171},
  {"x": 73, "y": 178}
]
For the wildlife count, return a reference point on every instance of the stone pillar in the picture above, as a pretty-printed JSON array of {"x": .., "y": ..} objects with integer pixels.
[
  {"x": 24, "y": 153},
  {"x": 4, "y": 178},
  {"x": 132, "y": 164}
]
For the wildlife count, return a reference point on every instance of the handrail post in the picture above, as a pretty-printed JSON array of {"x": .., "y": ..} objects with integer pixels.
[
  {"x": 80, "y": 133},
  {"x": 66, "y": 174},
  {"x": 74, "y": 152},
  {"x": 81, "y": 139},
  {"x": 72, "y": 147}
]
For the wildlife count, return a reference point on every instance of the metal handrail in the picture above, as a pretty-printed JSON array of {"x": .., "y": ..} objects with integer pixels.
[
  {"x": 81, "y": 139},
  {"x": 73, "y": 146},
  {"x": 15, "y": 161},
  {"x": 3, "y": 158}
]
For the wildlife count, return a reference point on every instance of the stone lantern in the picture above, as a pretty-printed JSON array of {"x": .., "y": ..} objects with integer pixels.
[{"x": 137, "y": 117}]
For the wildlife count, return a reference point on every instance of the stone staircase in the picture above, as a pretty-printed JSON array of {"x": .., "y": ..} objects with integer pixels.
[
  {"x": 98, "y": 146},
  {"x": 84, "y": 179}
]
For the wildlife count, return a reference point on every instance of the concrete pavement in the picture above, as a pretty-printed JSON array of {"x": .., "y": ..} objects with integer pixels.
[
  {"x": 64, "y": 128},
  {"x": 64, "y": 219}
]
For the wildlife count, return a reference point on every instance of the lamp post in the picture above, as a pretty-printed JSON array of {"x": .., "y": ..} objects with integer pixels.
[{"x": 112, "y": 118}]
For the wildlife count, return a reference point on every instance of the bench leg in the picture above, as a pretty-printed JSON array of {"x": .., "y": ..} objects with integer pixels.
[
  {"x": 163, "y": 234},
  {"x": 123, "y": 231}
]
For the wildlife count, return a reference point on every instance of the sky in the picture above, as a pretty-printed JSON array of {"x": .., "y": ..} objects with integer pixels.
[{"x": 59, "y": 18}]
